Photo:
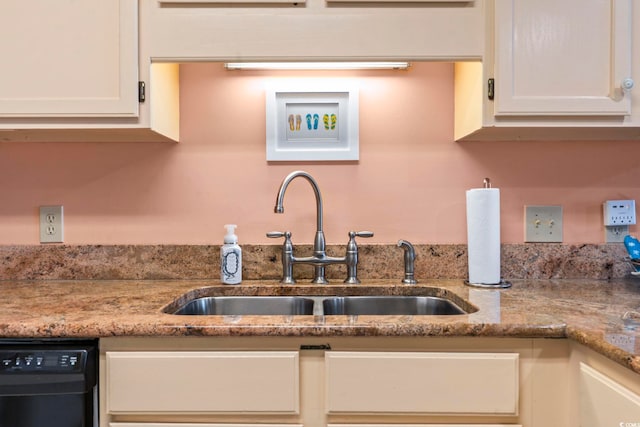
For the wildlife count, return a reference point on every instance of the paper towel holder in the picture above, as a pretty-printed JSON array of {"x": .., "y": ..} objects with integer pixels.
[
  {"x": 486, "y": 183},
  {"x": 500, "y": 285}
]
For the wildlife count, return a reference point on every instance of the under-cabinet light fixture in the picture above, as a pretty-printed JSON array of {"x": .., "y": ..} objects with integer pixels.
[{"x": 316, "y": 65}]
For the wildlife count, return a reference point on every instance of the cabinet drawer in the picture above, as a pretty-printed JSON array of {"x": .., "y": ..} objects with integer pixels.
[
  {"x": 143, "y": 424},
  {"x": 444, "y": 383},
  {"x": 229, "y": 382},
  {"x": 406, "y": 425}
]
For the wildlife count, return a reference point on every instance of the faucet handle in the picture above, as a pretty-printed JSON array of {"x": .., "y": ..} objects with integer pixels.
[
  {"x": 353, "y": 234},
  {"x": 287, "y": 256},
  {"x": 277, "y": 234},
  {"x": 352, "y": 247},
  {"x": 351, "y": 258}
]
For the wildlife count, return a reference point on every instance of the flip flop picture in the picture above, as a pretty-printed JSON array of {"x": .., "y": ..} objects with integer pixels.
[
  {"x": 315, "y": 121},
  {"x": 334, "y": 119},
  {"x": 325, "y": 120},
  {"x": 298, "y": 121},
  {"x": 291, "y": 122},
  {"x": 308, "y": 117}
]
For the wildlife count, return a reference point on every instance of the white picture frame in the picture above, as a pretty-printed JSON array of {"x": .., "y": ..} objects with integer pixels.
[{"x": 311, "y": 121}]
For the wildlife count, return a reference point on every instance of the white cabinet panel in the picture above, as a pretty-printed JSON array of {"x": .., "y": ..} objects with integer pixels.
[
  {"x": 183, "y": 382},
  {"x": 315, "y": 30},
  {"x": 565, "y": 57},
  {"x": 604, "y": 402},
  {"x": 407, "y": 382},
  {"x": 422, "y": 425},
  {"x": 69, "y": 58},
  {"x": 209, "y": 425}
]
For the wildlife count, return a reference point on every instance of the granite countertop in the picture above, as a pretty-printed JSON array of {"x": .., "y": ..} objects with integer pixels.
[{"x": 588, "y": 311}]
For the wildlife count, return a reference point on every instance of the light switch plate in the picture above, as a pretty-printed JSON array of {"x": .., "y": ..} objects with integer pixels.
[
  {"x": 51, "y": 224},
  {"x": 543, "y": 223}
]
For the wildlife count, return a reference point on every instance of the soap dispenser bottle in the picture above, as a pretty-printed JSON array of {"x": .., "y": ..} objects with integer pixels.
[{"x": 231, "y": 258}]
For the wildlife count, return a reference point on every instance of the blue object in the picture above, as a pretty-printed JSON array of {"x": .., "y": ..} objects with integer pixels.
[{"x": 633, "y": 247}]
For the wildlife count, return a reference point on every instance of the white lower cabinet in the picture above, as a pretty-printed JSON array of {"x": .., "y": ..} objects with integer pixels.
[
  {"x": 214, "y": 381},
  {"x": 336, "y": 382},
  {"x": 292, "y": 425},
  {"x": 422, "y": 382},
  {"x": 424, "y": 425},
  {"x": 198, "y": 425},
  {"x": 605, "y": 402},
  {"x": 603, "y": 393}
]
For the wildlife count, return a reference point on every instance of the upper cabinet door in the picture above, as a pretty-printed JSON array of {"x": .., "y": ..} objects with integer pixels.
[
  {"x": 569, "y": 57},
  {"x": 69, "y": 58}
]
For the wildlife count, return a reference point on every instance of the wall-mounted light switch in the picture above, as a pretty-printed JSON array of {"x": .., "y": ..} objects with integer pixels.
[
  {"x": 543, "y": 224},
  {"x": 51, "y": 224}
]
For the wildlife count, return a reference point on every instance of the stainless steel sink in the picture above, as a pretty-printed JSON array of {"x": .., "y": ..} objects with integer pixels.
[
  {"x": 390, "y": 305},
  {"x": 248, "y": 305},
  {"x": 313, "y": 304}
]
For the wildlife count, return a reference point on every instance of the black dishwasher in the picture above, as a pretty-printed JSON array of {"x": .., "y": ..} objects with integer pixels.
[{"x": 48, "y": 383}]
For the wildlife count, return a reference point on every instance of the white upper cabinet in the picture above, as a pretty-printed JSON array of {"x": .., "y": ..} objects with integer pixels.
[
  {"x": 70, "y": 72},
  {"x": 69, "y": 58},
  {"x": 552, "y": 70},
  {"x": 312, "y": 30},
  {"x": 569, "y": 57}
]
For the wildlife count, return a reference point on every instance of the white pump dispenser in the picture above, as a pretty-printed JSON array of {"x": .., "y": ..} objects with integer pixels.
[{"x": 231, "y": 258}]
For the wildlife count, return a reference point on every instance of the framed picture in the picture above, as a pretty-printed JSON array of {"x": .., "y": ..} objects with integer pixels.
[{"x": 317, "y": 123}]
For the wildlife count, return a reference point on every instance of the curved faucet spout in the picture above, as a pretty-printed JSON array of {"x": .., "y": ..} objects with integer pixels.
[
  {"x": 283, "y": 188},
  {"x": 319, "y": 260},
  {"x": 319, "y": 245}
]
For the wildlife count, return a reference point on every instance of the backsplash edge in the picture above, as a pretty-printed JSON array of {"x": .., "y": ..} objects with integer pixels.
[{"x": 437, "y": 261}]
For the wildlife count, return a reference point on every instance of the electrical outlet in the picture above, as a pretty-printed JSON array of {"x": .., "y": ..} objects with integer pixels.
[
  {"x": 543, "y": 224},
  {"x": 619, "y": 212},
  {"x": 615, "y": 234},
  {"x": 51, "y": 224}
]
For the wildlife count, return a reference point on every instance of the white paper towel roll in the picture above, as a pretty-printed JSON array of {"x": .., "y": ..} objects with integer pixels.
[{"x": 483, "y": 235}]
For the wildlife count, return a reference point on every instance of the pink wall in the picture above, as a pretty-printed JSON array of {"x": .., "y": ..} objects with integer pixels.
[{"x": 410, "y": 181}]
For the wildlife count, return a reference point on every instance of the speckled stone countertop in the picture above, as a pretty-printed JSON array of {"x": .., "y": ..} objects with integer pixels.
[{"x": 588, "y": 311}]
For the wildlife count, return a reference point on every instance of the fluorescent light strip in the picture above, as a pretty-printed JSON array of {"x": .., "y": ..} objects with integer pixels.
[{"x": 316, "y": 65}]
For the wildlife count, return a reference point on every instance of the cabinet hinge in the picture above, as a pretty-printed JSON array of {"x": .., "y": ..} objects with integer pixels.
[
  {"x": 490, "y": 89},
  {"x": 141, "y": 92}
]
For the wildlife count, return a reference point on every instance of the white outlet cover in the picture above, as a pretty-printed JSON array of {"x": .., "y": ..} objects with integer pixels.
[
  {"x": 51, "y": 224},
  {"x": 619, "y": 212},
  {"x": 543, "y": 223}
]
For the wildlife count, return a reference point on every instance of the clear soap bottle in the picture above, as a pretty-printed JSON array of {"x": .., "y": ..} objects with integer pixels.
[{"x": 231, "y": 258}]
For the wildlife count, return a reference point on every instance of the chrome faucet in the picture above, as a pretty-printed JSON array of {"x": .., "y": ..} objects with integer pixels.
[{"x": 319, "y": 259}]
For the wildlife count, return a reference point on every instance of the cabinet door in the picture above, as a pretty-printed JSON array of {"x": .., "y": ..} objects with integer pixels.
[
  {"x": 604, "y": 402},
  {"x": 202, "y": 382},
  {"x": 69, "y": 58},
  {"x": 146, "y": 424},
  {"x": 567, "y": 57},
  {"x": 412, "y": 425},
  {"x": 427, "y": 383}
]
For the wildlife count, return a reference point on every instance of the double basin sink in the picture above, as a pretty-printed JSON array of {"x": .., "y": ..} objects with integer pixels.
[{"x": 325, "y": 305}]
